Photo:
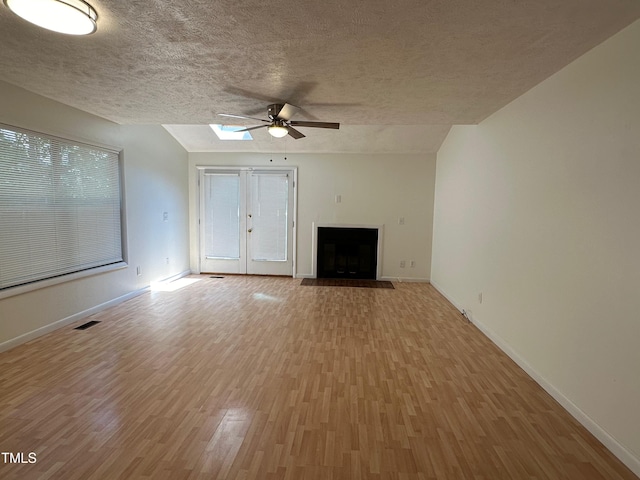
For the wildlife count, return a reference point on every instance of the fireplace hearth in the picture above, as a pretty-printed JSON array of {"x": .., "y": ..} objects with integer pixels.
[{"x": 347, "y": 252}]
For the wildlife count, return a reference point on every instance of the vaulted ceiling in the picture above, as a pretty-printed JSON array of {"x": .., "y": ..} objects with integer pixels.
[{"x": 396, "y": 75}]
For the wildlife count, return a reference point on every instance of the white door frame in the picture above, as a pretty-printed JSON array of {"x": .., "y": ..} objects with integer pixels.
[{"x": 293, "y": 172}]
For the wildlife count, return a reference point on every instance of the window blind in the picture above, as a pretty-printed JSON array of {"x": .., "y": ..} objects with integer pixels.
[
  {"x": 60, "y": 207},
  {"x": 269, "y": 201},
  {"x": 222, "y": 215}
]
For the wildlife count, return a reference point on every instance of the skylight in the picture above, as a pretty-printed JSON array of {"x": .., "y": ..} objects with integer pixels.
[{"x": 230, "y": 132}]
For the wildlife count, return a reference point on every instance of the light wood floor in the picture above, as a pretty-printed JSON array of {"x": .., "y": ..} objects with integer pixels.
[{"x": 258, "y": 377}]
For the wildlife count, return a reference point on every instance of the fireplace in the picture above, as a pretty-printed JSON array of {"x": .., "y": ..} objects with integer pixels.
[{"x": 347, "y": 252}]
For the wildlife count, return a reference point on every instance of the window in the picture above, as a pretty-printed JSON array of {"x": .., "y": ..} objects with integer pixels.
[
  {"x": 222, "y": 197},
  {"x": 231, "y": 132},
  {"x": 269, "y": 202},
  {"x": 60, "y": 207}
]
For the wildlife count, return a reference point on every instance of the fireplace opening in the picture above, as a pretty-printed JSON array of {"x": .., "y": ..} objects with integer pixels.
[{"x": 347, "y": 252}]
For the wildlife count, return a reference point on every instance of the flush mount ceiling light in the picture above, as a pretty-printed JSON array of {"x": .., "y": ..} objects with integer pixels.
[
  {"x": 278, "y": 131},
  {"x": 73, "y": 17}
]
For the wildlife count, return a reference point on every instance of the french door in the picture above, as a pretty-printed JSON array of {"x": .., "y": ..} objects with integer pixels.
[{"x": 247, "y": 220}]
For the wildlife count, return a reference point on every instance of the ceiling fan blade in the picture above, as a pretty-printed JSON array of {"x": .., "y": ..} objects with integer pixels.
[
  {"x": 295, "y": 133},
  {"x": 287, "y": 111},
  {"x": 252, "y": 128},
  {"x": 335, "y": 126},
  {"x": 243, "y": 117}
]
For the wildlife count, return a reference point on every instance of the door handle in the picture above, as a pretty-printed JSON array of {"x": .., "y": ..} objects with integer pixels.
[{"x": 250, "y": 230}]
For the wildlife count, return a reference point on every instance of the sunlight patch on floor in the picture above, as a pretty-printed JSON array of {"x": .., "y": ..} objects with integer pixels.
[{"x": 172, "y": 286}]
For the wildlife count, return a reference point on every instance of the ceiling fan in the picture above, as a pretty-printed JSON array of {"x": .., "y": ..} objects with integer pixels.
[{"x": 280, "y": 123}]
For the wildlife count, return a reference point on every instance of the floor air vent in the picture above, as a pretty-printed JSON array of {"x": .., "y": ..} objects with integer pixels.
[{"x": 84, "y": 326}]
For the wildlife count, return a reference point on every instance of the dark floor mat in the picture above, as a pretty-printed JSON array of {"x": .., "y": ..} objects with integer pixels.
[{"x": 345, "y": 282}]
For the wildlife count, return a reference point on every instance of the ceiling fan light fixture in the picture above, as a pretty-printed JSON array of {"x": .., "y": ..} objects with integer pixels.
[
  {"x": 278, "y": 131},
  {"x": 73, "y": 17}
]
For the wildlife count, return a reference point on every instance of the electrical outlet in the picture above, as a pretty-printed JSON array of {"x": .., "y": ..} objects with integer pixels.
[
  {"x": 167, "y": 260},
  {"x": 402, "y": 263},
  {"x": 412, "y": 264},
  {"x": 165, "y": 216},
  {"x": 401, "y": 221}
]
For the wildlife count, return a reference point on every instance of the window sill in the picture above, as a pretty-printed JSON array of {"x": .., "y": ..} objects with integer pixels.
[{"x": 30, "y": 287}]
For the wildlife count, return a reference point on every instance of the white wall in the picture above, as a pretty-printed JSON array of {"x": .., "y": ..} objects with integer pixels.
[
  {"x": 375, "y": 190},
  {"x": 537, "y": 208},
  {"x": 155, "y": 174}
]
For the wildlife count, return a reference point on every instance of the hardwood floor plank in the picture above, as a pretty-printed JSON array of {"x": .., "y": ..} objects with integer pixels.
[{"x": 261, "y": 378}]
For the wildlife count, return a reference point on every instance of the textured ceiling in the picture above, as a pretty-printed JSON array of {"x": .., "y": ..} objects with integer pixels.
[{"x": 424, "y": 63}]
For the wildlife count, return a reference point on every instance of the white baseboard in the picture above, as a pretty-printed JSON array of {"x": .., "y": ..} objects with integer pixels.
[
  {"x": 624, "y": 455},
  {"x": 405, "y": 279},
  {"x": 444, "y": 294},
  {"x": 175, "y": 277},
  {"x": 14, "y": 342}
]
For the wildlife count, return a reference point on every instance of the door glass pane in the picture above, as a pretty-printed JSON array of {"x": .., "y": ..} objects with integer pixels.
[
  {"x": 269, "y": 200},
  {"x": 222, "y": 215}
]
